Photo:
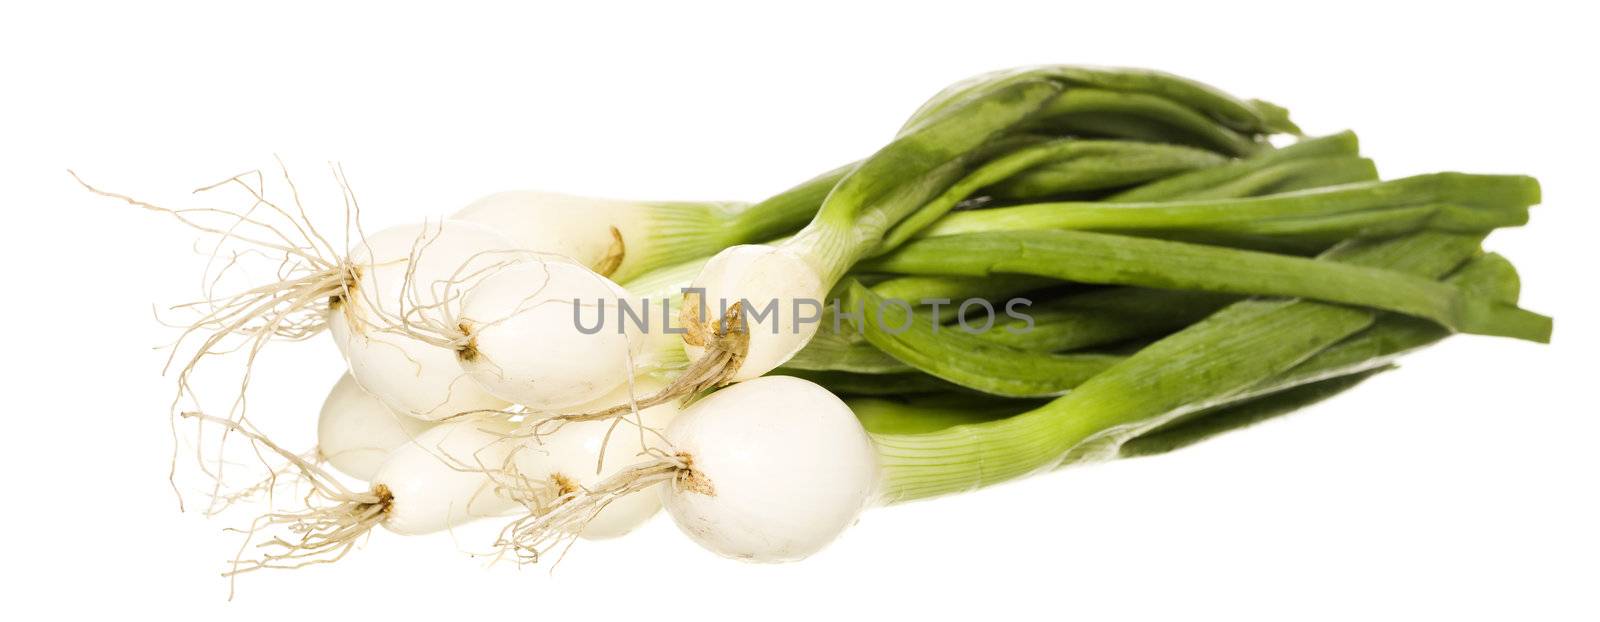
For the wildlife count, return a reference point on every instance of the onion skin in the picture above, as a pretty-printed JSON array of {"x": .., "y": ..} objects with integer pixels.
[
  {"x": 437, "y": 481},
  {"x": 411, "y": 376},
  {"x": 572, "y": 454},
  {"x": 767, "y": 280},
  {"x": 527, "y": 345},
  {"x": 778, "y": 468},
  {"x": 356, "y": 431}
]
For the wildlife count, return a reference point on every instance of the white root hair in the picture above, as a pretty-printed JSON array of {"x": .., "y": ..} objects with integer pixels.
[
  {"x": 555, "y": 520},
  {"x": 558, "y": 509},
  {"x": 334, "y": 519},
  {"x": 314, "y": 277},
  {"x": 287, "y": 476},
  {"x": 311, "y": 277}
]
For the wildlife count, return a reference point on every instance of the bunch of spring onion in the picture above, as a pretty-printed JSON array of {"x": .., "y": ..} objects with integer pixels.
[{"x": 1043, "y": 267}]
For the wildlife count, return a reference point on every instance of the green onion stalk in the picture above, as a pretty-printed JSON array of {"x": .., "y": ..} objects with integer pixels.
[
  {"x": 1251, "y": 348},
  {"x": 625, "y": 240},
  {"x": 1083, "y": 319},
  {"x": 1121, "y": 260},
  {"x": 1331, "y": 371},
  {"x": 1306, "y": 219},
  {"x": 756, "y": 306}
]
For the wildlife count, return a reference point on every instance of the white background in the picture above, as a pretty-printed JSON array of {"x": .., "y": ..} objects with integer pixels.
[{"x": 1462, "y": 485}]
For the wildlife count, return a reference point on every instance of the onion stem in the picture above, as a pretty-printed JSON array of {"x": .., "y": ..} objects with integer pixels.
[
  {"x": 1121, "y": 260},
  {"x": 1224, "y": 355}
]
